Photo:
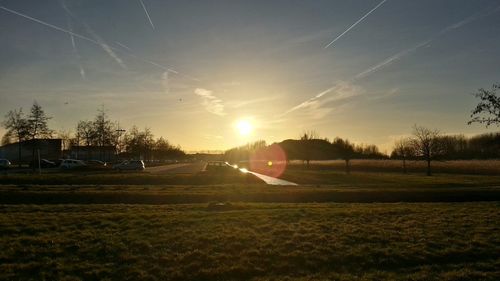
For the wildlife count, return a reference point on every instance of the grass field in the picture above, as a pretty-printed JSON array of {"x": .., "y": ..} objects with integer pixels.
[
  {"x": 431, "y": 241},
  {"x": 478, "y": 167},
  {"x": 140, "y": 226},
  {"x": 228, "y": 176}
]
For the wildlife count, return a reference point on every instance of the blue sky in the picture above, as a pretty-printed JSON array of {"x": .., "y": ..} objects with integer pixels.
[{"x": 407, "y": 62}]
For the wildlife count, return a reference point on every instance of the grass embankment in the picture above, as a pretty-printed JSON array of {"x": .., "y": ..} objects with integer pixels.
[
  {"x": 26, "y": 194},
  {"x": 132, "y": 178},
  {"x": 251, "y": 241}
]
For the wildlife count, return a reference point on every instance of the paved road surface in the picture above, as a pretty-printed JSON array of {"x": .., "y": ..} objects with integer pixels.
[
  {"x": 181, "y": 168},
  {"x": 266, "y": 179}
]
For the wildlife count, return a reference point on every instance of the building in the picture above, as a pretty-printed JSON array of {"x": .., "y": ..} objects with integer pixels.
[
  {"x": 48, "y": 148},
  {"x": 102, "y": 153}
]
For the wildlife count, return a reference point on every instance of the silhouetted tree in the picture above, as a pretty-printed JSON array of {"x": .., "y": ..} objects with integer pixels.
[
  {"x": 427, "y": 144},
  {"x": 163, "y": 150},
  {"x": 306, "y": 141},
  {"x": 37, "y": 127},
  {"x": 85, "y": 132},
  {"x": 488, "y": 109},
  {"x": 403, "y": 150},
  {"x": 140, "y": 144},
  {"x": 17, "y": 127},
  {"x": 344, "y": 150}
]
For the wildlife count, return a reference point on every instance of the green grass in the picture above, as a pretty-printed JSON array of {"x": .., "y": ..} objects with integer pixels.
[{"x": 430, "y": 241}]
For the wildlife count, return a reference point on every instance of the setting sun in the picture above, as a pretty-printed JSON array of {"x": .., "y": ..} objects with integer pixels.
[{"x": 244, "y": 127}]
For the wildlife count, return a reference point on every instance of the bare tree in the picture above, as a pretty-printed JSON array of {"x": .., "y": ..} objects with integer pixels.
[
  {"x": 403, "y": 149},
  {"x": 17, "y": 127},
  {"x": 488, "y": 109},
  {"x": 426, "y": 143},
  {"x": 85, "y": 132}
]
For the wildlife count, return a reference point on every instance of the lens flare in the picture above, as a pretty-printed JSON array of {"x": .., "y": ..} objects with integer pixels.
[{"x": 270, "y": 161}]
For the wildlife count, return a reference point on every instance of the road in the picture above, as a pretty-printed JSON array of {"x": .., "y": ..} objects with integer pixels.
[
  {"x": 181, "y": 168},
  {"x": 266, "y": 179}
]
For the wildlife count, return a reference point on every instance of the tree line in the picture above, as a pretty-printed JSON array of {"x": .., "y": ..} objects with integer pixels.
[
  {"x": 99, "y": 132},
  {"x": 310, "y": 147}
]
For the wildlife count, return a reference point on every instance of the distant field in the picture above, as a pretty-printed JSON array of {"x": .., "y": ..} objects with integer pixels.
[
  {"x": 432, "y": 241},
  {"x": 481, "y": 167},
  {"x": 386, "y": 180}
]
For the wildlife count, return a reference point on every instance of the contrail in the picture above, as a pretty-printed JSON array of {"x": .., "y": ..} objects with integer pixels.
[
  {"x": 73, "y": 44},
  {"x": 395, "y": 57},
  {"x": 356, "y": 23},
  {"x": 93, "y": 41},
  {"x": 105, "y": 47},
  {"x": 98, "y": 39},
  {"x": 122, "y": 45},
  {"x": 147, "y": 14}
]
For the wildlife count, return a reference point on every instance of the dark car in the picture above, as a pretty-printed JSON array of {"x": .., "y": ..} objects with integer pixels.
[
  {"x": 4, "y": 164},
  {"x": 130, "y": 165},
  {"x": 44, "y": 163}
]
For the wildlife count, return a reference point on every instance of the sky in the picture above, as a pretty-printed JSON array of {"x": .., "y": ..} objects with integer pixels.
[{"x": 366, "y": 70}]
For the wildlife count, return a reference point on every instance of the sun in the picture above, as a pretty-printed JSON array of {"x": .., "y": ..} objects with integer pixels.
[{"x": 244, "y": 127}]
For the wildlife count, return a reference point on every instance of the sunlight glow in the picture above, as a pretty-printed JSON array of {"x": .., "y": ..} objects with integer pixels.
[{"x": 244, "y": 127}]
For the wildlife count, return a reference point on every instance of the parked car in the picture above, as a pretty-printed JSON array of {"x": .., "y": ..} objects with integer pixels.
[
  {"x": 72, "y": 163},
  {"x": 44, "y": 163},
  {"x": 4, "y": 164},
  {"x": 130, "y": 165},
  {"x": 95, "y": 163}
]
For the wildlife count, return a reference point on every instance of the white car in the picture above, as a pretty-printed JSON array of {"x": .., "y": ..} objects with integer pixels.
[
  {"x": 71, "y": 163},
  {"x": 4, "y": 164}
]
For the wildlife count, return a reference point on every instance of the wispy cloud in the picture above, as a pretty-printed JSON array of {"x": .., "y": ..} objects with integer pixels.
[
  {"x": 242, "y": 103},
  {"x": 342, "y": 90},
  {"x": 147, "y": 14},
  {"x": 211, "y": 103},
  {"x": 354, "y": 24},
  {"x": 165, "y": 82}
]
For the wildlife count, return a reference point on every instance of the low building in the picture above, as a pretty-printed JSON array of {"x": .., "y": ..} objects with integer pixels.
[
  {"x": 102, "y": 153},
  {"x": 48, "y": 148}
]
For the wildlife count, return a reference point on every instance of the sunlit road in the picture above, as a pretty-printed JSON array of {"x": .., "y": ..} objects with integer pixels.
[
  {"x": 266, "y": 179},
  {"x": 181, "y": 168}
]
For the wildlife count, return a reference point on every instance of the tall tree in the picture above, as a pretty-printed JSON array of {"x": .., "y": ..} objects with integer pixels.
[
  {"x": 17, "y": 126},
  {"x": 487, "y": 110},
  {"x": 37, "y": 127},
  {"x": 38, "y": 123},
  {"x": 427, "y": 144}
]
